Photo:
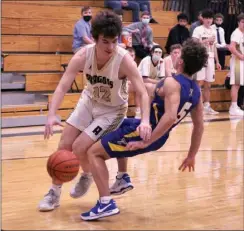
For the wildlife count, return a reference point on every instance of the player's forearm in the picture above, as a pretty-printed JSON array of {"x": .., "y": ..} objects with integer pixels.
[
  {"x": 196, "y": 138},
  {"x": 57, "y": 100},
  {"x": 162, "y": 128},
  {"x": 216, "y": 54},
  {"x": 145, "y": 107},
  {"x": 235, "y": 52}
]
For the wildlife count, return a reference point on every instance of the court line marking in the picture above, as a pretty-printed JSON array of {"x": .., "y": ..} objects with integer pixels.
[{"x": 60, "y": 131}]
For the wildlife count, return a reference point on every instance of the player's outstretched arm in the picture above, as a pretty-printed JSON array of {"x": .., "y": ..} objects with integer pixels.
[
  {"x": 76, "y": 64},
  {"x": 129, "y": 69},
  {"x": 196, "y": 137}
]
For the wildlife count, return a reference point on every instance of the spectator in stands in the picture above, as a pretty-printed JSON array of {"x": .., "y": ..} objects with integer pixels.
[
  {"x": 220, "y": 35},
  {"x": 197, "y": 23},
  {"x": 206, "y": 35},
  {"x": 237, "y": 65},
  {"x": 169, "y": 61},
  {"x": 179, "y": 33},
  {"x": 146, "y": 6},
  {"x": 82, "y": 31},
  {"x": 152, "y": 70},
  {"x": 142, "y": 37},
  {"x": 127, "y": 5}
]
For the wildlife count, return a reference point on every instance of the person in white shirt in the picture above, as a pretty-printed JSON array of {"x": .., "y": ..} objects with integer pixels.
[
  {"x": 206, "y": 34},
  {"x": 220, "y": 35},
  {"x": 175, "y": 52},
  {"x": 237, "y": 65},
  {"x": 152, "y": 70}
]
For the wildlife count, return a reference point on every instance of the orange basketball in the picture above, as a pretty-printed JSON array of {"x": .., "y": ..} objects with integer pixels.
[{"x": 63, "y": 165}]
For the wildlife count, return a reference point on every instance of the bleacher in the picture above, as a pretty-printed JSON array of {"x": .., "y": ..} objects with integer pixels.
[{"x": 37, "y": 36}]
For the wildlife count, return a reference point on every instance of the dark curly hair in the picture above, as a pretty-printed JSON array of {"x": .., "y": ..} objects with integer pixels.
[
  {"x": 106, "y": 23},
  {"x": 194, "y": 56}
]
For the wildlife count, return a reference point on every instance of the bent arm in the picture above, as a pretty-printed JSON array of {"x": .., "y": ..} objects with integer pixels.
[
  {"x": 76, "y": 64},
  {"x": 234, "y": 51},
  {"x": 129, "y": 69},
  {"x": 87, "y": 40},
  {"x": 198, "y": 128},
  {"x": 171, "y": 91}
]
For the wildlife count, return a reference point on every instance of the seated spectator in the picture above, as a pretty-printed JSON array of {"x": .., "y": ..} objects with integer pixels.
[
  {"x": 82, "y": 31},
  {"x": 197, "y": 23},
  {"x": 179, "y": 33},
  {"x": 126, "y": 5},
  {"x": 151, "y": 67},
  {"x": 220, "y": 35},
  {"x": 142, "y": 37},
  {"x": 175, "y": 52},
  {"x": 145, "y": 6}
]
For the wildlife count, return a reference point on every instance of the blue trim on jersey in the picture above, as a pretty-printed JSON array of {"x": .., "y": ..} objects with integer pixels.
[{"x": 115, "y": 142}]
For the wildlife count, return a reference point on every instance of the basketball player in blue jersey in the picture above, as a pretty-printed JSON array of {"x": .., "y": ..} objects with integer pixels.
[{"x": 174, "y": 98}]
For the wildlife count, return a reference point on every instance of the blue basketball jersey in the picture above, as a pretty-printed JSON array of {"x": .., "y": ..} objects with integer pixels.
[
  {"x": 189, "y": 98},
  {"x": 115, "y": 142}
]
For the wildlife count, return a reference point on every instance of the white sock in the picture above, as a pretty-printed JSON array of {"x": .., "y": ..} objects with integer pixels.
[
  {"x": 105, "y": 200},
  {"x": 87, "y": 174},
  {"x": 120, "y": 174},
  {"x": 234, "y": 104},
  {"x": 57, "y": 188},
  {"x": 206, "y": 104}
]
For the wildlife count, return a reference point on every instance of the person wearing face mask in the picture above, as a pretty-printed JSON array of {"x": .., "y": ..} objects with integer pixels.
[
  {"x": 179, "y": 33},
  {"x": 220, "y": 35},
  {"x": 142, "y": 35},
  {"x": 82, "y": 30}
]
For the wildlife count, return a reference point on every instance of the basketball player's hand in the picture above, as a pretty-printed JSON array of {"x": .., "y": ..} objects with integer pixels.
[
  {"x": 51, "y": 121},
  {"x": 218, "y": 66},
  {"x": 145, "y": 131},
  {"x": 135, "y": 145},
  {"x": 189, "y": 163}
]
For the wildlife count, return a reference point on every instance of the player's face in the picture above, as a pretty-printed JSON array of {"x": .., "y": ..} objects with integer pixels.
[
  {"x": 218, "y": 21},
  {"x": 241, "y": 25},
  {"x": 176, "y": 53},
  {"x": 107, "y": 46},
  {"x": 182, "y": 22},
  {"x": 207, "y": 22},
  {"x": 200, "y": 18}
]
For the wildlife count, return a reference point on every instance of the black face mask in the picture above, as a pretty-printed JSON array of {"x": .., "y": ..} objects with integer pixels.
[
  {"x": 218, "y": 25},
  {"x": 87, "y": 18}
]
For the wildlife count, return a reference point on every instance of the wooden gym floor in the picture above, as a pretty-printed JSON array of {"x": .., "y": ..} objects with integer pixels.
[{"x": 163, "y": 197}]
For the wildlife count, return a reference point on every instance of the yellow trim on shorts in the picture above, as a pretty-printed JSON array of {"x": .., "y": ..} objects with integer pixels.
[
  {"x": 132, "y": 134},
  {"x": 116, "y": 147}
]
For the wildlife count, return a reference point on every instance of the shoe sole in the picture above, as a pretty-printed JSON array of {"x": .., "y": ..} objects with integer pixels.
[
  {"x": 106, "y": 214},
  {"x": 47, "y": 210},
  {"x": 76, "y": 197},
  {"x": 123, "y": 190}
]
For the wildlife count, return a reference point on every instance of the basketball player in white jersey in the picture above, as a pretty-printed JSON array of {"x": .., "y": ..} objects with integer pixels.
[
  {"x": 103, "y": 104},
  {"x": 175, "y": 53},
  {"x": 206, "y": 34},
  {"x": 237, "y": 65}
]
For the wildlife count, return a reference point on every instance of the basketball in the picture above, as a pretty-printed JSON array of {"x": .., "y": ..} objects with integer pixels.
[{"x": 63, "y": 165}]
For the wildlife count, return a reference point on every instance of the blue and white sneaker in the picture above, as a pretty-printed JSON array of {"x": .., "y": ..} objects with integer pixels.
[
  {"x": 101, "y": 210},
  {"x": 121, "y": 185}
]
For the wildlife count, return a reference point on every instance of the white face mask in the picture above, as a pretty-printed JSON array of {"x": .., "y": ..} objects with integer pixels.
[
  {"x": 145, "y": 21},
  {"x": 155, "y": 58}
]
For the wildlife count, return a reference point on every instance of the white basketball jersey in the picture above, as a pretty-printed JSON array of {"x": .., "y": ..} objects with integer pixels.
[{"x": 104, "y": 85}]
